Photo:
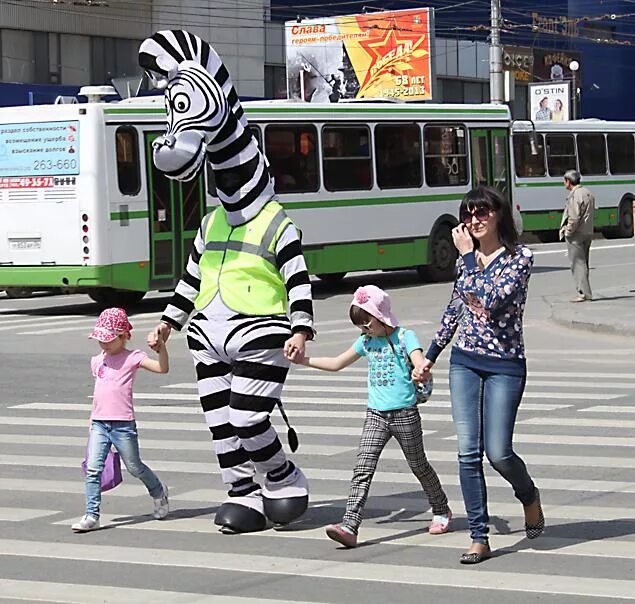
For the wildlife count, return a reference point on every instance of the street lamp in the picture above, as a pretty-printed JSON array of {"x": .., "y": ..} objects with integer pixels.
[{"x": 574, "y": 66}]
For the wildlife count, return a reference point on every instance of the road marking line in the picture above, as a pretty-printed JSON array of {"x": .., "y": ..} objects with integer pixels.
[
  {"x": 606, "y": 548},
  {"x": 362, "y": 390},
  {"x": 324, "y": 569},
  {"x": 76, "y": 593},
  {"x": 609, "y": 409},
  {"x": 23, "y": 514},
  {"x": 579, "y": 421},
  {"x": 595, "y": 248},
  {"x": 192, "y": 467}
]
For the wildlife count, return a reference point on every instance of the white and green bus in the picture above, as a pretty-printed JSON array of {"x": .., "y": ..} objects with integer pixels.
[
  {"x": 604, "y": 154},
  {"x": 372, "y": 186}
]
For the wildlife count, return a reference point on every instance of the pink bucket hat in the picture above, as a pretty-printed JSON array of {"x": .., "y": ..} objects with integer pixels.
[
  {"x": 375, "y": 302},
  {"x": 111, "y": 323}
]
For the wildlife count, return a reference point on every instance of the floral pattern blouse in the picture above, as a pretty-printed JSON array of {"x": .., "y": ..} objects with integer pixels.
[{"x": 487, "y": 307}]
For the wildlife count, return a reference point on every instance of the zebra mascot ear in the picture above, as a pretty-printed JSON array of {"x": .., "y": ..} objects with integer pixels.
[{"x": 205, "y": 121}]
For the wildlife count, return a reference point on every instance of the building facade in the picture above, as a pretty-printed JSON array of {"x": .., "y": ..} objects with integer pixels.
[
  {"x": 51, "y": 47},
  {"x": 598, "y": 34}
]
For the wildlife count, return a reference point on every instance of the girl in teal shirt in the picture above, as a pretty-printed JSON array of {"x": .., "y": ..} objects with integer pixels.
[{"x": 392, "y": 409}]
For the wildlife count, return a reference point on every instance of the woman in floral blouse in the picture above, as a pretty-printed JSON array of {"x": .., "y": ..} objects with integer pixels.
[{"x": 487, "y": 363}]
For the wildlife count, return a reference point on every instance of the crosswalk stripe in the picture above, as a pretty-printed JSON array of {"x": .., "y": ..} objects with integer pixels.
[
  {"x": 355, "y": 390},
  {"x": 21, "y": 514},
  {"x": 558, "y": 439},
  {"x": 12, "y": 324},
  {"x": 293, "y": 379},
  {"x": 158, "y": 444},
  {"x": 578, "y": 422},
  {"x": 37, "y": 485},
  {"x": 187, "y": 427},
  {"x": 324, "y": 569},
  {"x": 195, "y": 409},
  {"x": 76, "y": 593},
  {"x": 416, "y": 537},
  {"x": 609, "y": 409},
  {"x": 190, "y": 467},
  {"x": 419, "y": 502},
  {"x": 132, "y": 488}
]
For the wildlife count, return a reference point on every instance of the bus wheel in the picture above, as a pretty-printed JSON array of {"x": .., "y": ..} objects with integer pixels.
[
  {"x": 624, "y": 226},
  {"x": 442, "y": 256},
  {"x": 330, "y": 277},
  {"x": 548, "y": 236},
  {"x": 107, "y": 297},
  {"x": 18, "y": 292}
]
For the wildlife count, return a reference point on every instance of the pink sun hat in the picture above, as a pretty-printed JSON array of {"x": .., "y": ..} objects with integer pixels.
[
  {"x": 375, "y": 302},
  {"x": 111, "y": 323}
]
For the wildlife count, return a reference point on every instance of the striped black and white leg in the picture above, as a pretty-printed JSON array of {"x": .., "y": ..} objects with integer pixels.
[
  {"x": 243, "y": 510},
  {"x": 259, "y": 370}
]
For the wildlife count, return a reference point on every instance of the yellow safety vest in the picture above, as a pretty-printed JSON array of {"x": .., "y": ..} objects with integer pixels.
[{"x": 240, "y": 262}]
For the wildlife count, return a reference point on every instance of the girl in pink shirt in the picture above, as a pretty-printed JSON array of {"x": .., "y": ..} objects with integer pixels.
[{"x": 112, "y": 417}]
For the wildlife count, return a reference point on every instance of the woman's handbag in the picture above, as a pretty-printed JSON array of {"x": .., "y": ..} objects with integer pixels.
[{"x": 111, "y": 474}]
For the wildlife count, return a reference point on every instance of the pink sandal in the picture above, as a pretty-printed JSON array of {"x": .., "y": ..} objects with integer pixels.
[
  {"x": 338, "y": 533},
  {"x": 440, "y": 524}
]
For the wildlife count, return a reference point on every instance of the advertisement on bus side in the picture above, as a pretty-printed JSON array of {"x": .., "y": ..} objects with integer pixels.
[
  {"x": 36, "y": 150},
  {"x": 372, "y": 55}
]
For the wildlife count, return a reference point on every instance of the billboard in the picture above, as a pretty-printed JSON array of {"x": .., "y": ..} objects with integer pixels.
[
  {"x": 553, "y": 66},
  {"x": 384, "y": 54},
  {"x": 549, "y": 101}
]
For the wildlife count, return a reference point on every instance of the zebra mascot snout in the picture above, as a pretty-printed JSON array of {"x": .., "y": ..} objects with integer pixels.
[
  {"x": 245, "y": 290},
  {"x": 196, "y": 109}
]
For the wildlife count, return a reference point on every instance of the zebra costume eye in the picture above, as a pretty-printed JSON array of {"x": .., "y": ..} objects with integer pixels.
[{"x": 181, "y": 103}]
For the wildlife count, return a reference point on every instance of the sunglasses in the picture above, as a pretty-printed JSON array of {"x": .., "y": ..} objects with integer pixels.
[
  {"x": 482, "y": 215},
  {"x": 366, "y": 325}
]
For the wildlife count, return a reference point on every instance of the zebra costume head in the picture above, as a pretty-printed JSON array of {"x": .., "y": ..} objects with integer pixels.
[{"x": 205, "y": 121}]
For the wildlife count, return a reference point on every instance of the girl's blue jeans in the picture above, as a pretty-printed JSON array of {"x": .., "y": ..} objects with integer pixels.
[
  {"x": 484, "y": 407},
  {"x": 123, "y": 435}
]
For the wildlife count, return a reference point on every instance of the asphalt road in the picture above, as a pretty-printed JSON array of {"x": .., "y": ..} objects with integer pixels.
[{"x": 575, "y": 432}]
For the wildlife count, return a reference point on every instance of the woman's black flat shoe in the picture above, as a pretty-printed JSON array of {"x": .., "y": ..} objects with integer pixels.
[
  {"x": 535, "y": 530},
  {"x": 475, "y": 557}
]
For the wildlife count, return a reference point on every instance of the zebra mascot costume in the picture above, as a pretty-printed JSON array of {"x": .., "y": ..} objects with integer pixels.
[{"x": 246, "y": 282}]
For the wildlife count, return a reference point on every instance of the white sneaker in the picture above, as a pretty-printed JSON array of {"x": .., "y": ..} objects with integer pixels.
[
  {"x": 162, "y": 506},
  {"x": 86, "y": 524}
]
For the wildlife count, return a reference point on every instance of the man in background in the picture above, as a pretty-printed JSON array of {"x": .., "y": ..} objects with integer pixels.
[{"x": 576, "y": 229}]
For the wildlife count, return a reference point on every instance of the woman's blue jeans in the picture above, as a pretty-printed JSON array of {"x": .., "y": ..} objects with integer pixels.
[
  {"x": 484, "y": 407},
  {"x": 123, "y": 435}
]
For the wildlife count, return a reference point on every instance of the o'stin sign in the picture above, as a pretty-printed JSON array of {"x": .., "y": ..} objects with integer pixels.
[{"x": 549, "y": 101}]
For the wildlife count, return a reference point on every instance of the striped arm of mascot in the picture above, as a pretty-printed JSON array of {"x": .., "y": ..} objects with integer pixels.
[{"x": 204, "y": 114}]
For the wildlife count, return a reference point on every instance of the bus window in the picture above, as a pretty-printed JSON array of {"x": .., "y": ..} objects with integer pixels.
[
  {"x": 526, "y": 164},
  {"x": 621, "y": 153},
  {"x": 347, "y": 161},
  {"x": 560, "y": 153},
  {"x": 445, "y": 156},
  {"x": 292, "y": 152},
  {"x": 592, "y": 154},
  {"x": 128, "y": 172},
  {"x": 209, "y": 173},
  {"x": 398, "y": 156}
]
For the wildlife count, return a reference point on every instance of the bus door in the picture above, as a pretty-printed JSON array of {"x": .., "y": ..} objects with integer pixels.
[
  {"x": 490, "y": 159},
  {"x": 175, "y": 210}
]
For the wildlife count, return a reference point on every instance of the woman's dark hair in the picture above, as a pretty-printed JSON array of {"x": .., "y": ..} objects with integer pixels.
[{"x": 492, "y": 199}]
